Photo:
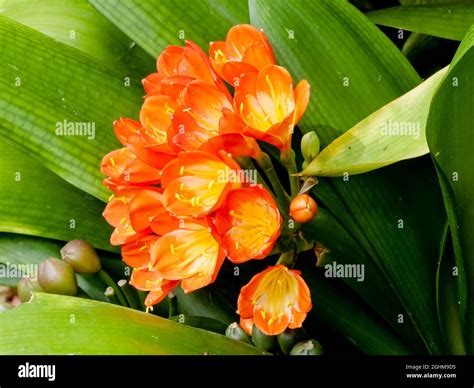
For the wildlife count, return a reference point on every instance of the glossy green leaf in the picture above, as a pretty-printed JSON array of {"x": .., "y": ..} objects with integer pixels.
[
  {"x": 450, "y": 134},
  {"x": 428, "y": 2},
  {"x": 36, "y": 202},
  {"x": 77, "y": 24},
  {"x": 206, "y": 303},
  {"x": 343, "y": 249},
  {"x": 80, "y": 326},
  {"x": 394, "y": 132},
  {"x": 336, "y": 309},
  {"x": 53, "y": 88},
  {"x": 449, "y": 21},
  {"x": 447, "y": 298},
  {"x": 155, "y": 24},
  {"x": 394, "y": 213}
]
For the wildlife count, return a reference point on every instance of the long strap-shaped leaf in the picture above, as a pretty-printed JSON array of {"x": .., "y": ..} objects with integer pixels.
[
  {"x": 354, "y": 70},
  {"x": 59, "y": 105},
  {"x": 155, "y": 24},
  {"x": 80, "y": 326},
  {"x": 450, "y": 134},
  {"x": 77, "y": 24},
  {"x": 395, "y": 132},
  {"x": 36, "y": 202},
  {"x": 449, "y": 21}
]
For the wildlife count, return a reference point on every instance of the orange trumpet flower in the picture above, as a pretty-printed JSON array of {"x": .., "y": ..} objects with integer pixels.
[
  {"x": 176, "y": 67},
  {"x": 274, "y": 300},
  {"x": 192, "y": 254},
  {"x": 246, "y": 50},
  {"x": 249, "y": 222},
  {"x": 147, "y": 279},
  {"x": 117, "y": 215},
  {"x": 200, "y": 116},
  {"x": 269, "y": 106},
  {"x": 196, "y": 182},
  {"x": 123, "y": 167}
]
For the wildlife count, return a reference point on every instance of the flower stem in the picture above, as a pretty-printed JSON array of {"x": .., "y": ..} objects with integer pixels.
[
  {"x": 172, "y": 305},
  {"x": 130, "y": 295},
  {"x": 266, "y": 165},
  {"x": 288, "y": 160},
  {"x": 110, "y": 282},
  {"x": 287, "y": 258},
  {"x": 247, "y": 164}
]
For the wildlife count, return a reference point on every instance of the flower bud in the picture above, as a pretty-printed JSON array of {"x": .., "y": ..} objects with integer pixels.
[
  {"x": 289, "y": 338},
  {"x": 235, "y": 332},
  {"x": 310, "y": 146},
  {"x": 26, "y": 287},
  {"x": 263, "y": 341},
  {"x": 57, "y": 277},
  {"x": 81, "y": 256},
  {"x": 303, "y": 208},
  {"x": 307, "y": 348}
]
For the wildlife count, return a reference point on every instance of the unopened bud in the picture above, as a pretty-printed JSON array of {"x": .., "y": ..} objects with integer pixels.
[
  {"x": 303, "y": 208},
  {"x": 81, "y": 256},
  {"x": 235, "y": 332},
  {"x": 26, "y": 287},
  {"x": 307, "y": 348},
  {"x": 57, "y": 277},
  {"x": 289, "y": 338},
  {"x": 310, "y": 146}
]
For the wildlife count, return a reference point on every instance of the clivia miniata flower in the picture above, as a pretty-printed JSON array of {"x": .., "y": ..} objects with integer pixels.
[
  {"x": 273, "y": 300},
  {"x": 179, "y": 205}
]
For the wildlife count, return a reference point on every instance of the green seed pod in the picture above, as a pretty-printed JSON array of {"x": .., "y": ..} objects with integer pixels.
[
  {"x": 57, "y": 277},
  {"x": 289, "y": 338},
  {"x": 307, "y": 348},
  {"x": 263, "y": 341},
  {"x": 26, "y": 287},
  {"x": 81, "y": 256},
  {"x": 310, "y": 146},
  {"x": 235, "y": 332}
]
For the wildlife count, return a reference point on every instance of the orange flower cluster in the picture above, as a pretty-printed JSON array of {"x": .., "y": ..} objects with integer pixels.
[{"x": 180, "y": 203}]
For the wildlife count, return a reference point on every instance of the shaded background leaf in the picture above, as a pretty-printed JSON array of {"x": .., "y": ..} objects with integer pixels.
[
  {"x": 344, "y": 44},
  {"x": 449, "y": 21},
  {"x": 155, "y": 24}
]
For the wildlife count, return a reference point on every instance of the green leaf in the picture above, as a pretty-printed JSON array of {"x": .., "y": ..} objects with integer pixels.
[
  {"x": 394, "y": 132},
  {"x": 449, "y": 21},
  {"x": 56, "y": 87},
  {"x": 371, "y": 206},
  {"x": 427, "y": 2},
  {"x": 79, "y": 326},
  {"x": 155, "y": 24},
  {"x": 450, "y": 134},
  {"x": 338, "y": 310},
  {"x": 36, "y": 202},
  {"x": 447, "y": 298},
  {"x": 77, "y": 24},
  {"x": 205, "y": 323},
  {"x": 343, "y": 249},
  {"x": 206, "y": 303}
]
